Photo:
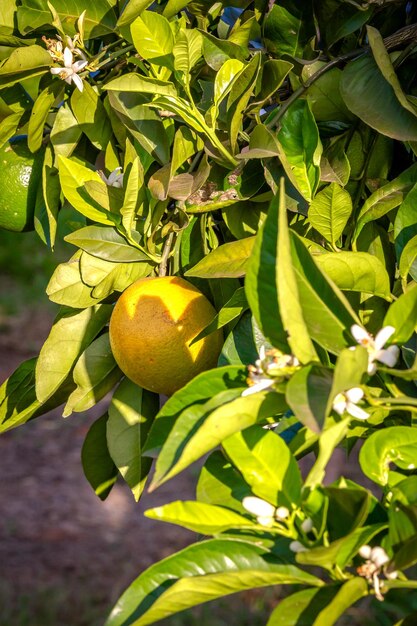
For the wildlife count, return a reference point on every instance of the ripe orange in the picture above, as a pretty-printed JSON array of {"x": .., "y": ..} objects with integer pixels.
[
  {"x": 151, "y": 327},
  {"x": 20, "y": 177}
]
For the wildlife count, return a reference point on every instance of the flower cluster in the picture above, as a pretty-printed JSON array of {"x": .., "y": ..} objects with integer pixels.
[
  {"x": 376, "y": 560},
  {"x": 65, "y": 56},
  {"x": 266, "y": 514},
  {"x": 271, "y": 367}
]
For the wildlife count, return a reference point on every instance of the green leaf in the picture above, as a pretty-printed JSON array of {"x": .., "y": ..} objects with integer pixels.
[
  {"x": 40, "y": 112},
  {"x": 329, "y": 439},
  {"x": 95, "y": 374},
  {"x": 7, "y": 14},
  {"x": 131, "y": 413},
  {"x": 402, "y": 315},
  {"x": 231, "y": 310},
  {"x": 266, "y": 464},
  {"x": 51, "y": 194},
  {"x": 405, "y": 231},
  {"x": 137, "y": 83},
  {"x": 24, "y": 62},
  {"x": 329, "y": 212},
  {"x": 287, "y": 28},
  {"x": 203, "y": 387},
  {"x": 98, "y": 466},
  {"x": 407, "y": 259},
  {"x": 261, "y": 281},
  {"x": 371, "y": 97},
  {"x": 227, "y": 261},
  {"x": 351, "y": 365},
  {"x": 201, "y": 572},
  {"x": 386, "y": 198},
  {"x": 153, "y": 38},
  {"x": 241, "y": 91},
  {"x": 356, "y": 271},
  {"x": 405, "y": 556},
  {"x": 91, "y": 116},
  {"x": 105, "y": 243},
  {"x": 240, "y": 347},
  {"x": 300, "y": 148},
  {"x": 72, "y": 332},
  {"x": 100, "y": 17},
  {"x": 187, "y": 51},
  {"x": 134, "y": 199},
  {"x": 218, "y": 51},
  {"x": 383, "y": 61},
  {"x": 318, "y": 607},
  {"x": 9, "y": 126},
  {"x": 173, "y": 7},
  {"x": 307, "y": 394},
  {"x": 143, "y": 123},
  {"x": 73, "y": 177},
  {"x": 131, "y": 10},
  {"x": 18, "y": 402},
  {"x": 326, "y": 311},
  {"x": 324, "y": 94},
  {"x": 66, "y": 286},
  {"x": 290, "y": 304},
  {"x": 65, "y": 132},
  {"x": 395, "y": 444},
  {"x": 215, "y": 423},
  {"x": 220, "y": 483},
  {"x": 207, "y": 519}
]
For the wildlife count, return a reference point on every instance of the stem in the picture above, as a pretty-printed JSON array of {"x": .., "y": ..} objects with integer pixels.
[
  {"x": 163, "y": 266},
  {"x": 304, "y": 87}
]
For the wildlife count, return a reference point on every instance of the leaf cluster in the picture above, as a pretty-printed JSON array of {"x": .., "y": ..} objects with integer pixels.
[{"x": 266, "y": 152}]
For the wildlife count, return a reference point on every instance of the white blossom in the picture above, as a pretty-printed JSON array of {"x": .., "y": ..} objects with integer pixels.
[
  {"x": 376, "y": 560},
  {"x": 281, "y": 513},
  {"x": 69, "y": 72},
  {"x": 347, "y": 402},
  {"x": 297, "y": 546},
  {"x": 271, "y": 367},
  {"x": 115, "y": 178},
  {"x": 307, "y": 525},
  {"x": 375, "y": 346}
]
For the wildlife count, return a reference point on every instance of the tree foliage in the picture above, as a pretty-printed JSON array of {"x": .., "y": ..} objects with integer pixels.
[{"x": 267, "y": 152}]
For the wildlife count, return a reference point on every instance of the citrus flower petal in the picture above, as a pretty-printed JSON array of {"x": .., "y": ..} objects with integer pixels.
[
  {"x": 365, "y": 551},
  {"x": 68, "y": 57},
  {"x": 258, "y": 507},
  {"x": 297, "y": 546},
  {"x": 360, "y": 334},
  {"x": 382, "y": 336},
  {"x": 389, "y": 356},
  {"x": 77, "y": 81},
  {"x": 260, "y": 386},
  {"x": 354, "y": 394},
  {"x": 339, "y": 403},
  {"x": 356, "y": 411}
]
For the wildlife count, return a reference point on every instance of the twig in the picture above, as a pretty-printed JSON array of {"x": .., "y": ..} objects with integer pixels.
[{"x": 163, "y": 266}]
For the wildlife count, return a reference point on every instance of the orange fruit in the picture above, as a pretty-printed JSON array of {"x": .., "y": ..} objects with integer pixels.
[
  {"x": 20, "y": 177},
  {"x": 151, "y": 328}
]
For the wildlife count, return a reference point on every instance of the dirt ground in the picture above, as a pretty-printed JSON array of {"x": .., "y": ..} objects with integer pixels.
[{"x": 55, "y": 534}]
